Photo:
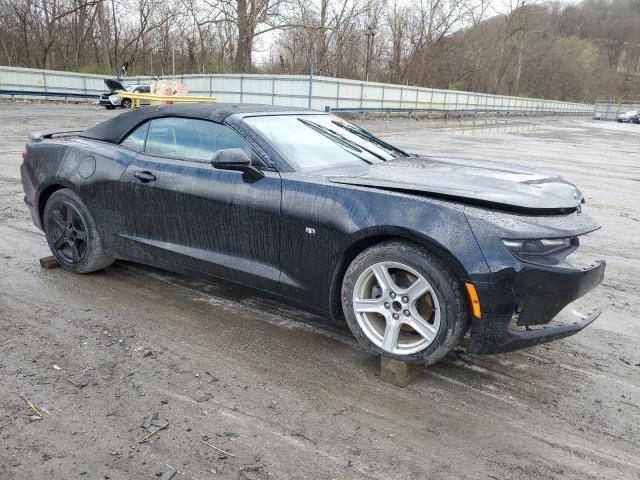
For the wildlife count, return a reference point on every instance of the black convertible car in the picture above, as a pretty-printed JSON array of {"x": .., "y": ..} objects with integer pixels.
[{"x": 412, "y": 251}]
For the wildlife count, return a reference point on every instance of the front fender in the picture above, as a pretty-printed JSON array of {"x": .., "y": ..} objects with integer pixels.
[{"x": 325, "y": 225}]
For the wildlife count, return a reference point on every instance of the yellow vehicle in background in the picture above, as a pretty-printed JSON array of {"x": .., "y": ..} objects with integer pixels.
[{"x": 164, "y": 92}]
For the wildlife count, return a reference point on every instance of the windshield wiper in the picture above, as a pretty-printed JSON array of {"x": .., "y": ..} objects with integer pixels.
[
  {"x": 341, "y": 140},
  {"x": 375, "y": 140}
]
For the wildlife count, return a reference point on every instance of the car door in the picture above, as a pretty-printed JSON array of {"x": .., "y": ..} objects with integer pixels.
[{"x": 184, "y": 212}]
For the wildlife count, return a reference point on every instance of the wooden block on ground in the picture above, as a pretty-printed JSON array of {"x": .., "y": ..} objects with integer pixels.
[
  {"x": 49, "y": 262},
  {"x": 397, "y": 372}
]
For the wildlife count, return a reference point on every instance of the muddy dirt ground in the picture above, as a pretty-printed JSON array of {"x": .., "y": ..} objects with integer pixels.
[{"x": 288, "y": 395}]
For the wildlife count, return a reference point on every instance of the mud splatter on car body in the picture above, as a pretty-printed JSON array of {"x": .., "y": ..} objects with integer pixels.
[{"x": 188, "y": 217}]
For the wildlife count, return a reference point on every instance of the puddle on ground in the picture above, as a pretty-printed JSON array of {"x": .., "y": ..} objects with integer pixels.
[{"x": 485, "y": 126}]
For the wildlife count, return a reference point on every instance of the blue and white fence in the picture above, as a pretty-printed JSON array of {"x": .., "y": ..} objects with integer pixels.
[{"x": 292, "y": 90}]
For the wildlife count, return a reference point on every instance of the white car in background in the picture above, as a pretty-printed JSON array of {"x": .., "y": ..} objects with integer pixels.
[
  {"x": 111, "y": 99},
  {"x": 629, "y": 117}
]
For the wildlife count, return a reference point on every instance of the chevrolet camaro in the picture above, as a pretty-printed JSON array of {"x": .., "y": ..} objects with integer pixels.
[{"x": 412, "y": 251}]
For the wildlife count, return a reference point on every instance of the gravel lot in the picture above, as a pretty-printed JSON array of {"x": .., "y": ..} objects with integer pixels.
[{"x": 289, "y": 395}]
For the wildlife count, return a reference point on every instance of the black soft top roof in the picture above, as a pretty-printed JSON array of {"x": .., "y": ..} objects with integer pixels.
[{"x": 115, "y": 129}]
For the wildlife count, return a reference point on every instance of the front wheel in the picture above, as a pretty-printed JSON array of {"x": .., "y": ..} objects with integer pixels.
[
  {"x": 72, "y": 234},
  {"x": 401, "y": 301},
  {"x": 126, "y": 103}
]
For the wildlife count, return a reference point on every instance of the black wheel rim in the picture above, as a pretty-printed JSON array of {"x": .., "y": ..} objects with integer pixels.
[{"x": 67, "y": 233}]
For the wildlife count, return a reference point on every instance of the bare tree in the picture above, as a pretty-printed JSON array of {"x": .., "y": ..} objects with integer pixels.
[{"x": 577, "y": 51}]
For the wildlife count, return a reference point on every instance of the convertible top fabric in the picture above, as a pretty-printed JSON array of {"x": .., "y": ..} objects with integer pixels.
[{"x": 115, "y": 129}]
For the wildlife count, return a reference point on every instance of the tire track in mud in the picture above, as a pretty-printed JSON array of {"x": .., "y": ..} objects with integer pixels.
[{"x": 487, "y": 410}]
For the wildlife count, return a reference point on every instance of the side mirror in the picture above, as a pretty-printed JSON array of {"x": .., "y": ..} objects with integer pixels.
[{"x": 235, "y": 159}]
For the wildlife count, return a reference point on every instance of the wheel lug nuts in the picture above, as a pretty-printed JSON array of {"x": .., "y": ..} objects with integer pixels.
[
  {"x": 386, "y": 305},
  {"x": 396, "y": 316},
  {"x": 405, "y": 299},
  {"x": 393, "y": 295},
  {"x": 406, "y": 313}
]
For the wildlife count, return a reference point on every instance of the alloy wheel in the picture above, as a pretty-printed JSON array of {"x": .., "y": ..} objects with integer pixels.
[
  {"x": 67, "y": 232},
  {"x": 396, "y": 308}
]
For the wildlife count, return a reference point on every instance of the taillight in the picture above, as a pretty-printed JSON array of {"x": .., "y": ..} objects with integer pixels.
[{"x": 25, "y": 154}]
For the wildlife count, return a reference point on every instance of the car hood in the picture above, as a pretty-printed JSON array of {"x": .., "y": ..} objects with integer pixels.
[
  {"x": 505, "y": 187},
  {"x": 113, "y": 85}
]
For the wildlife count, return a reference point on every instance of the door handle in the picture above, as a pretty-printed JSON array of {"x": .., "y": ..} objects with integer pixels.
[{"x": 144, "y": 176}]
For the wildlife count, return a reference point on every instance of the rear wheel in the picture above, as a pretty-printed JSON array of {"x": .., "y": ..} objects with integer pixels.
[
  {"x": 402, "y": 302},
  {"x": 72, "y": 235}
]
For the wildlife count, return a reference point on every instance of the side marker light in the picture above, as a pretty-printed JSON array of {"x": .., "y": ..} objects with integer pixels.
[{"x": 473, "y": 298}]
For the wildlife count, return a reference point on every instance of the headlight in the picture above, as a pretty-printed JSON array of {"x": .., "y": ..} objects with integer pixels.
[
  {"x": 113, "y": 98},
  {"x": 540, "y": 247}
]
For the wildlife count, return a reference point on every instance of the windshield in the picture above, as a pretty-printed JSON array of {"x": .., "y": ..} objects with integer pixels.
[{"x": 323, "y": 143}]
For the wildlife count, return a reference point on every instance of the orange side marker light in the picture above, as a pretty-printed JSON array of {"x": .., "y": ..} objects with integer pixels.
[{"x": 475, "y": 302}]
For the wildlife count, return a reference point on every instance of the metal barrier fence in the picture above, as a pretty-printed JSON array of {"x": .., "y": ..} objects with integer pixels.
[
  {"x": 609, "y": 110},
  {"x": 292, "y": 90}
]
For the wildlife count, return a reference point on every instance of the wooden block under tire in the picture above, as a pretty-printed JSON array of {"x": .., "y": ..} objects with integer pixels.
[
  {"x": 397, "y": 372},
  {"x": 49, "y": 262}
]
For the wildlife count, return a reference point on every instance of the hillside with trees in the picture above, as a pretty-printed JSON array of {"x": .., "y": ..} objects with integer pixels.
[{"x": 577, "y": 52}]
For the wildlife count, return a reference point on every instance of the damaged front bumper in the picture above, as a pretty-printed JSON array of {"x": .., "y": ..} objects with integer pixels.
[
  {"x": 530, "y": 297},
  {"x": 526, "y": 287}
]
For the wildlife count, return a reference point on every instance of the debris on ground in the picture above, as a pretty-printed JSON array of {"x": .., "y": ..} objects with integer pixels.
[
  {"x": 81, "y": 383},
  {"x": 152, "y": 425},
  {"x": 33, "y": 407},
  {"x": 168, "y": 472},
  {"x": 218, "y": 449}
]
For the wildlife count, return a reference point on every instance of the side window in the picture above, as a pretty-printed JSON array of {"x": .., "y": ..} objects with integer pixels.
[
  {"x": 135, "y": 140},
  {"x": 190, "y": 139}
]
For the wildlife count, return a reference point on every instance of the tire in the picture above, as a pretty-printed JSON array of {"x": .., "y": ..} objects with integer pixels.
[
  {"x": 441, "y": 313},
  {"x": 72, "y": 234},
  {"x": 126, "y": 103},
  {"x": 109, "y": 107}
]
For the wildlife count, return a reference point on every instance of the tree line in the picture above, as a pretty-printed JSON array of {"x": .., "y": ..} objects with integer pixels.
[{"x": 575, "y": 52}]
